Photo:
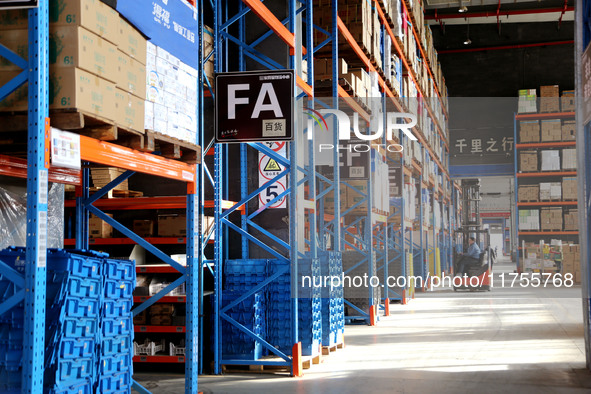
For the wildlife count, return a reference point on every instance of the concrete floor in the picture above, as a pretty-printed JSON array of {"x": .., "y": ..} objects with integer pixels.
[{"x": 519, "y": 340}]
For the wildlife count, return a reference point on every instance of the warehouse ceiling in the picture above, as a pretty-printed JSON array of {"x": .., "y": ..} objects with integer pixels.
[{"x": 501, "y": 11}]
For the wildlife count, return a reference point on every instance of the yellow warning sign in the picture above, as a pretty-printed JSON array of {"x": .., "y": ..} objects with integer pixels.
[{"x": 272, "y": 165}]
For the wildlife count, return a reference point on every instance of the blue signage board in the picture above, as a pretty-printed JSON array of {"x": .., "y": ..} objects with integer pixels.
[{"x": 170, "y": 24}]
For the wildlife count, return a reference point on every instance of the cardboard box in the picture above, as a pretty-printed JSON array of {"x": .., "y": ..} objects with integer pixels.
[
  {"x": 97, "y": 228},
  {"x": 104, "y": 175},
  {"x": 131, "y": 75},
  {"x": 527, "y": 101},
  {"x": 528, "y": 161},
  {"x": 528, "y": 193},
  {"x": 130, "y": 110},
  {"x": 569, "y": 188},
  {"x": 549, "y": 98},
  {"x": 94, "y": 15},
  {"x": 569, "y": 159},
  {"x": 141, "y": 318},
  {"x": 131, "y": 42},
  {"x": 14, "y": 19},
  {"x": 567, "y": 101},
  {"x": 78, "y": 47},
  {"x": 76, "y": 88},
  {"x": 550, "y": 160},
  {"x": 353, "y": 197},
  {"x": 550, "y": 191},
  {"x": 172, "y": 226},
  {"x": 571, "y": 220},
  {"x": 143, "y": 228},
  {"x": 529, "y": 131},
  {"x": 551, "y": 130},
  {"x": 17, "y": 100},
  {"x": 569, "y": 130},
  {"x": 549, "y": 91},
  {"x": 551, "y": 219},
  {"x": 529, "y": 219}
]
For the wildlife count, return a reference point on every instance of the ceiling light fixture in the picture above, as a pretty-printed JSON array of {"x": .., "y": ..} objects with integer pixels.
[
  {"x": 467, "y": 41},
  {"x": 463, "y": 9}
]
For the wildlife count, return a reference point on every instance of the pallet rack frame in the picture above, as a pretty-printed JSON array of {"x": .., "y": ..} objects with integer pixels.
[{"x": 35, "y": 71}]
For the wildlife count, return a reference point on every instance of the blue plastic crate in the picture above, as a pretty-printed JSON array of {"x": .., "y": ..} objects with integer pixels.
[
  {"x": 75, "y": 348},
  {"x": 116, "y": 345},
  {"x": 75, "y": 387},
  {"x": 11, "y": 358},
  {"x": 117, "y": 289},
  {"x": 85, "y": 264},
  {"x": 83, "y": 287},
  {"x": 119, "y": 270},
  {"x": 79, "y": 328},
  {"x": 116, "y": 383},
  {"x": 10, "y": 381},
  {"x": 114, "y": 327},
  {"x": 116, "y": 308},
  {"x": 109, "y": 365},
  {"x": 72, "y": 306},
  {"x": 71, "y": 370}
]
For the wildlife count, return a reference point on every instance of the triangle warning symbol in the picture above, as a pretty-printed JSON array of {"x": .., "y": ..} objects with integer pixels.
[{"x": 272, "y": 165}]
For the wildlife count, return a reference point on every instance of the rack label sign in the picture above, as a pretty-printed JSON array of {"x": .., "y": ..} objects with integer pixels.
[
  {"x": 65, "y": 149},
  {"x": 254, "y": 106},
  {"x": 269, "y": 168}
]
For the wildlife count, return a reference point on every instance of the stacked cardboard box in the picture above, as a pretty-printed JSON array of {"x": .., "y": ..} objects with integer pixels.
[
  {"x": 172, "y": 225},
  {"x": 571, "y": 220},
  {"x": 549, "y": 98},
  {"x": 97, "y": 228},
  {"x": 143, "y": 227},
  {"x": 528, "y": 193},
  {"x": 551, "y": 130},
  {"x": 90, "y": 69},
  {"x": 569, "y": 159},
  {"x": 323, "y": 68},
  {"x": 172, "y": 95},
  {"x": 568, "y": 101},
  {"x": 527, "y": 101},
  {"x": 161, "y": 314},
  {"x": 529, "y": 219},
  {"x": 528, "y": 161},
  {"x": 529, "y": 131},
  {"x": 102, "y": 176},
  {"x": 208, "y": 67},
  {"x": 571, "y": 262},
  {"x": 569, "y": 188},
  {"x": 551, "y": 219},
  {"x": 550, "y": 191},
  {"x": 550, "y": 160},
  {"x": 569, "y": 131}
]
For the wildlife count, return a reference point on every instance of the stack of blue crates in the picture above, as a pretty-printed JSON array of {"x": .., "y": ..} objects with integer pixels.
[
  {"x": 333, "y": 308},
  {"x": 88, "y": 324},
  {"x": 115, "y": 359},
  {"x": 241, "y": 276},
  {"x": 11, "y": 327},
  {"x": 74, "y": 292},
  {"x": 279, "y": 307},
  {"x": 310, "y": 309}
]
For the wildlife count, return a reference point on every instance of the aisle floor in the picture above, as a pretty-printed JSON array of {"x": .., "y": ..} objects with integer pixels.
[{"x": 520, "y": 340}]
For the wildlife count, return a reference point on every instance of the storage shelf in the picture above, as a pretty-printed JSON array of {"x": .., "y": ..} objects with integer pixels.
[
  {"x": 546, "y": 203},
  {"x": 159, "y": 359},
  {"x": 160, "y": 202},
  {"x": 545, "y": 173},
  {"x": 128, "y": 241},
  {"x": 548, "y": 232},
  {"x": 558, "y": 144},
  {"x": 548, "y": 115},
  {"x": 160, "y": 329},
  {"x": 168, "y": 299}
]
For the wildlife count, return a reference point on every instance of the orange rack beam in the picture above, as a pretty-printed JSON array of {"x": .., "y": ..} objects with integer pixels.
[
  {"x": 161, "y": 202},
  {"x": 549, "y": 115},
  {"x": 118, "y": 156},
  {"x": 547, "y": 203},
  {"x": 549, "y": 232},
  {"x": 529, "y": 145},
  {"x": 546, "y": 173},
  {"x": 16, "y": 167}
]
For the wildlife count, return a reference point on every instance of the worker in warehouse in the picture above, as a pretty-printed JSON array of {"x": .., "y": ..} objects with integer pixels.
[{"x": 471, "y": 256}]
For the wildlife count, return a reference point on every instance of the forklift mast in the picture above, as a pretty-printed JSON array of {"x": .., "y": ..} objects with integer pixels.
[{"x": 471, "y": 224}]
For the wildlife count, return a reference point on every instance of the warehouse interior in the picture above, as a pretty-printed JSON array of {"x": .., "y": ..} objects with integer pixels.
[{"x": 198, "y": 195}]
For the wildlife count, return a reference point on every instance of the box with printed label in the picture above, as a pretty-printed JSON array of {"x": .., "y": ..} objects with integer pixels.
[
  {"x": 131, "y": 75},
  {"x": 130, "y": 110},
  {"x": 97, "y": 228},
  {"x": 131, "y": 42},
  {"x": 172, "y": 226},
  {"x": 94, "y": 15}
]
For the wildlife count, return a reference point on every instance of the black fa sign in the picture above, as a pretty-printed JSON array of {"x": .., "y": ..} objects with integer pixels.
[{"x": 254, "y": 106}]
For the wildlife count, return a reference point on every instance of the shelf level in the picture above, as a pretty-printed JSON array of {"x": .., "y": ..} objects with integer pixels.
[
  {"x": 160, "y": 202},
  {"x": 559, "y": 144},
  {"x": 160, "y": 329},
  {"x": 549, "y": 115},
  {"x": 548, "y": 233},
  {"x": 546, "y": 203},
  {"x": 545, "y": 174},
  {"x": 128, "y": 241},
  {"x": 159, "y": 359}
]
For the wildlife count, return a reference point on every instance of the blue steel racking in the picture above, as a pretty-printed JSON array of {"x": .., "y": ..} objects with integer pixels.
[
  {"x": 33, "y": 285},
  {"x": 582, "y": 40}
]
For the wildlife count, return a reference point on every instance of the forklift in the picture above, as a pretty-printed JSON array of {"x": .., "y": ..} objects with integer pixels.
[{"x": 476, "y": 275}]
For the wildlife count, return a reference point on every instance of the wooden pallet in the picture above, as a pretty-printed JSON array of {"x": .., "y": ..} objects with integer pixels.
[
  {"x": 71, "y": 195},
  {"x": 172, "y": 148},
  {"x": 529, "y": 200}
]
